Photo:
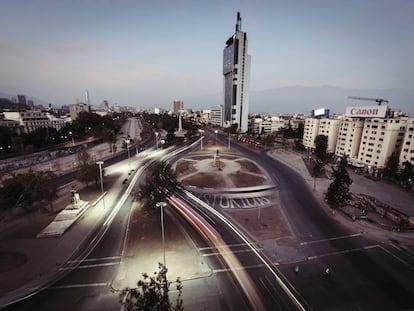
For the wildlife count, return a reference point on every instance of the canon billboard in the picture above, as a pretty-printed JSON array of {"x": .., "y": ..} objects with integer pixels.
[{"x": 366, "y": 112}]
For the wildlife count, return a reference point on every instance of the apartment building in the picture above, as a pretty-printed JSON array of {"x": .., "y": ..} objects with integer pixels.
[
  {"x": 28, "y": 121},
  {"x": 266, "y": 125},
  {"x": 407, "y": 149},
  {"x": 321, "y": 126},
  {"x": 217, "y": 115},
  {"x": 380, "y": 139},
  {"x": 349, "y": 137},
  {"x": 310, "y": 131}
]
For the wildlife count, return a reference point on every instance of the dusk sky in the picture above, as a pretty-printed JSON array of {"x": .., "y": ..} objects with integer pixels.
[{"x": 148, "y": 53}]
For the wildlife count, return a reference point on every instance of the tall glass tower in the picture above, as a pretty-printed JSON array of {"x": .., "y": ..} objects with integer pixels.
[{"x": 236, "y": 72}]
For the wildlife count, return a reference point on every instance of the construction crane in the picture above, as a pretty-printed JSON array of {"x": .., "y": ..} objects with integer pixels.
[{"x": 379, "y": 101}]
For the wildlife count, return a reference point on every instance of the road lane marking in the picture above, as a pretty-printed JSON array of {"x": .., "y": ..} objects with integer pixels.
[
  {"x": 344, "y": 252},
  {"x": 229, "y": 245},
  {"x": 79, "y": 285},
  {"x": 91, "y": 266},
  {"x": 243, "y": 267},
  {"x": 232, "y": 252},
  {"x": 331, "y": 239},
  {"x": 95, "y": 259}
]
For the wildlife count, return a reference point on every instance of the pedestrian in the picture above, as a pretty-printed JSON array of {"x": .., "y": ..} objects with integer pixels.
[{"x": 297, "y": 269}]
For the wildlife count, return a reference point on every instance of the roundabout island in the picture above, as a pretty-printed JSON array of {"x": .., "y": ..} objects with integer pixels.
[{"x": 237, "y": 187}]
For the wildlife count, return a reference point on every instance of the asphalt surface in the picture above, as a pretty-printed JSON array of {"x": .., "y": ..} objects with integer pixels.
[{"x": 365, "y": 272}]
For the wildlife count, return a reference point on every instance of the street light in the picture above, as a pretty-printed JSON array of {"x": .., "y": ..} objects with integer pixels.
[
  {"x": 229, "y": 140},
  {"x": 215, "y": 131},
  {"x": 156, "y": 138},
  {"x": 100, "y": 173},
  {"x": 73, "y": 141},
  {"x": 127, "y": 141},
  {"x": 162, "y": 205}
]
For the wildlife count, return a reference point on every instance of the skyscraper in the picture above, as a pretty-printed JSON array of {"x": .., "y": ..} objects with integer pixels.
[
  {"x": 236, "y": 72},
  {"x": 177, "y": 106}
]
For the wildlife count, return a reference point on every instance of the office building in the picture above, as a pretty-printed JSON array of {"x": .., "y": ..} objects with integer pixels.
[
  {"x": 236, "y": 72},
  {"x": 178, "y": 105}
]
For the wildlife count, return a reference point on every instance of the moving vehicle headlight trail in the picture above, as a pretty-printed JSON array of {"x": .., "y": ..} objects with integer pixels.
[
  {"x": 254, "y": 249},
  {"x": 229, "y": 260}
]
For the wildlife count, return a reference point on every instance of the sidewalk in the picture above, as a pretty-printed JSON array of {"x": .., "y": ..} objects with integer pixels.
[{"x": 29, "y": 263}]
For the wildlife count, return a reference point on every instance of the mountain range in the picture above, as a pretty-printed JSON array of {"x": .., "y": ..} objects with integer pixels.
[
  {"x": 303, "y": 99},
  {"x": 296, "y": 99},
  {"x": 300, "y": 99}
]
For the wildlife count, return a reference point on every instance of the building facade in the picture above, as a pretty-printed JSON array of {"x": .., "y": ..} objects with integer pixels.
[
  {"x": 29, "y": 121},
  {"x": 380, "y": 139},
  {"x": 75, "y": 109},
  {"x": 349, "y": 137},
  {"x": 236, "y": 72},
  {"x": 407, "y": 149},
  {"x": 328, "y": 127},
  {"x": 266, "y": 125},
  {"x": 178, "y": 105},
  {"x": 217, "y": 116}
]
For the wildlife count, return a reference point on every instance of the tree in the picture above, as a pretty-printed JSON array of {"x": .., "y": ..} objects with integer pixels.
[
  {"x": 299, "y": 145},
  {"x": 88, "y": 171},
  {"x": 321, "y": 143},
  {"x": 391, "y": 167},
  {"x": 27, "y": 190},
  {"x": 338, "y": 191},
  {"x": 152, "y": 293},
  {"x": 159, "y": 181}
]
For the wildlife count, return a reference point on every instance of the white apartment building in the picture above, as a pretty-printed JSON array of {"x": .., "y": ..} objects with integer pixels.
[
  {"x": 368, "y": 136},
  {"x": 349, "y": 137},
  {"x": 266, "y": 125},
  {"x": 328, "y": 127},
  {"x": 407, "y": 149},
  {"x": 381, "y": 138},
  {"x": 217, "y": 116},
  {"x": 31, "y": 120}
]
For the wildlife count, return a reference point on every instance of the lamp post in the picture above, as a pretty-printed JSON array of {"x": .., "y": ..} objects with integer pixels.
[
  {"x": 215, "y": 131},
  {"x": 162, "y": 205},
  {"x": 229, "y": 140},
  {"x": 127, "y": 141},
  {"x": 156, "y": 138},
  {"x": 73, "y": 141},
  {"x": 100, "y": 173}
]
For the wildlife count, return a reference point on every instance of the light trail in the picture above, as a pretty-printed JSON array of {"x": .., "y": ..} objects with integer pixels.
[
  {"x": 251, "y": 245},
  {"x": 214, "y": 238}
]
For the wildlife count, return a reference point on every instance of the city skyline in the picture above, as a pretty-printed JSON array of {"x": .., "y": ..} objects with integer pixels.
[{"x": 146, "y": 54}]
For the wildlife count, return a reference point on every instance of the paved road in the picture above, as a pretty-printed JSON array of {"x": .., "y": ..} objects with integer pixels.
[{"x": 366, "y": 274}]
